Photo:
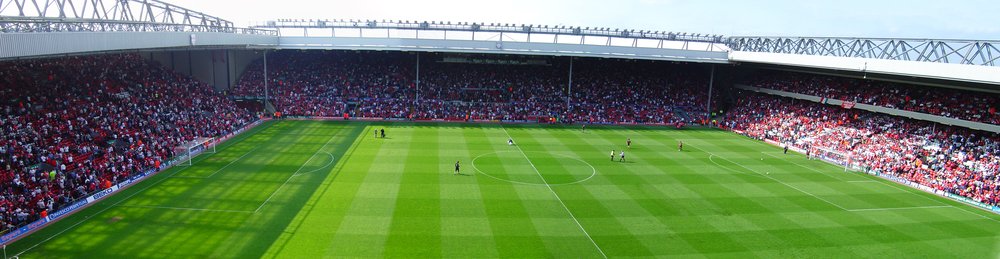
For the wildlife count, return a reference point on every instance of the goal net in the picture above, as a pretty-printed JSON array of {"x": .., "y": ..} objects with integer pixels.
[
  {"x": 188, "y": 150},
  {"x": 845, "y": 159}
]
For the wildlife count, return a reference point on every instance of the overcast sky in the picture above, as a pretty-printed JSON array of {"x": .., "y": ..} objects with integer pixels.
[{"x": 956, "y": 19}]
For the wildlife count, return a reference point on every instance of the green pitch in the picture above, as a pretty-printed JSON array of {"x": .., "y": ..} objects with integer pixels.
[{"x": 308, "y": 189}]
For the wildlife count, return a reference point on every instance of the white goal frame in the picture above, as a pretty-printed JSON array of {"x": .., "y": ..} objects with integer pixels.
[
  {"x": 836, "y": 157},
  {"x": 194, "y": 147}
]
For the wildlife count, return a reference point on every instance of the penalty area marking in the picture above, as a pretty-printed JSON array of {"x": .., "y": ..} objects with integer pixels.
[
  {"x": 836, "y": 176},
  {"x": 776, "y": 180},
  {"x": 859, "y": 181},
  {"x": 320, "y": 168},
  {"x": 87, "y": 218},
  {"x": 592, "y": 173},
  {"x": 296, "y": 173},
  {"x": 220, "y": 169},
  {"x": 902, "y": 208},
  {"x": 710, "y": 156}
]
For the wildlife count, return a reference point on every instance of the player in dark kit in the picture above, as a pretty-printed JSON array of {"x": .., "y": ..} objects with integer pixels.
[
  {"x": 628, "y": 143},
  {"x": 584, "y": 128},
  {"x": 457, "y": 167},
  {"x": 786, "y": 149},
  {"x": 680, "y": 145},
  {"x": 383, "y": 133}
]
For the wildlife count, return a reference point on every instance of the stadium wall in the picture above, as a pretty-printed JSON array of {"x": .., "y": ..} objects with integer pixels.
[
  {"x": 39, "y": 44},
  {"x": 503, "y": 47},
  {"x": 220, "y": 68},
  {"x": 239, "y": 60}
]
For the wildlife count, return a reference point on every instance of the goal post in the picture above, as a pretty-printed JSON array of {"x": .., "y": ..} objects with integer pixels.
[
  {"x": 188, "y": 150},
  {"x": 845, "y": 159}
]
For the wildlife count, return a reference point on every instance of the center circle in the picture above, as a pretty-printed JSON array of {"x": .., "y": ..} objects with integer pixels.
[{"x": 533, "y": 168}]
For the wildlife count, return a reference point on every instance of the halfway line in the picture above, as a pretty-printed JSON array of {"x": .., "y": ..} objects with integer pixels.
[{"x": 555, "y": 194}]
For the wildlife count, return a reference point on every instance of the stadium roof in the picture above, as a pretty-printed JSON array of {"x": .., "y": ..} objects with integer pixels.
[{"x": 46, "y": 27}]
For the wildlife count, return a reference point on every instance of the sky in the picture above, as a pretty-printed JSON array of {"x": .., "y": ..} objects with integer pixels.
[{"x": 955, "y": 19}]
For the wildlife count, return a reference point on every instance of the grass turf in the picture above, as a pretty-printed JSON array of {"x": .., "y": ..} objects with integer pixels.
[{"x": 305, "y": 189}]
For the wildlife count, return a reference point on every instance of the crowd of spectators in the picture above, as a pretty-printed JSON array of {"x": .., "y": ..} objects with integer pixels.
[
  {"x": 73, "y": 126},
  {"x": 384, "y": 85},
  {"x": 321, "y": 83},
  {"x": 953, "y": 103},
  {"x": 952, "y": 159}
]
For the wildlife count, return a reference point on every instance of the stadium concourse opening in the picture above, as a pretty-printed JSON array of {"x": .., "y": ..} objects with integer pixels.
[{"x": 88, "y": 158}]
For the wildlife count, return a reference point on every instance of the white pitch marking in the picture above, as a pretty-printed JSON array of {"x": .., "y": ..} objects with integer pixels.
[
  {"x": 230, "y": 163},
  {"x": 101, "y": 211},
  {"x": 332, "y": 159},
  {"x": 220, "y": 169},
  {"x": 181, "y": 208},
  {"x": 555, "y": 194},
  {"x": 125, "y": 199},
  {"x": 805, "y": 166},
  {"x": 776, "y": 180},
  {"x": 293, "y": 174},
  {"x": 902, "y": 208}
]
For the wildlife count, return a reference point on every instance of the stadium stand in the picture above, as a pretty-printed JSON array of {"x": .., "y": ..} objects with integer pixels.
[
  {"x": 952, "y": 159},
  {"x": 74, "y": 126},
  {"x": 953, "y": 103},
  {"x": 382, "y": 85}
]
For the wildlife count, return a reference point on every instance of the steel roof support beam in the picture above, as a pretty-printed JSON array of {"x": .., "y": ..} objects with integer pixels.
[
  {"x": 973, "y": 52},
  {"x": 98, "y": 15}
]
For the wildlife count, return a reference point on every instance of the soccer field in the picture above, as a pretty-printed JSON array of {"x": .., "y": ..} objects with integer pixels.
[{"x": 308, "y": 189}]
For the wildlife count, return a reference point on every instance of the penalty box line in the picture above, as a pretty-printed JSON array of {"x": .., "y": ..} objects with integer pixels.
[
  {"x": 220, "y": 169},
  {"x": 902, "y": 208},
  {"x": 241, "y": 137},
  {"x": 556, "y": 194},
  {"x": 775, "y": 180},
  {"x": 891, "y": 185},
  {"x": 296, "y": 173}
]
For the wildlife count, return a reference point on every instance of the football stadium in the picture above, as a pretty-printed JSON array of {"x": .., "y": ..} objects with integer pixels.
[{"x": 142, "y": 129}]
